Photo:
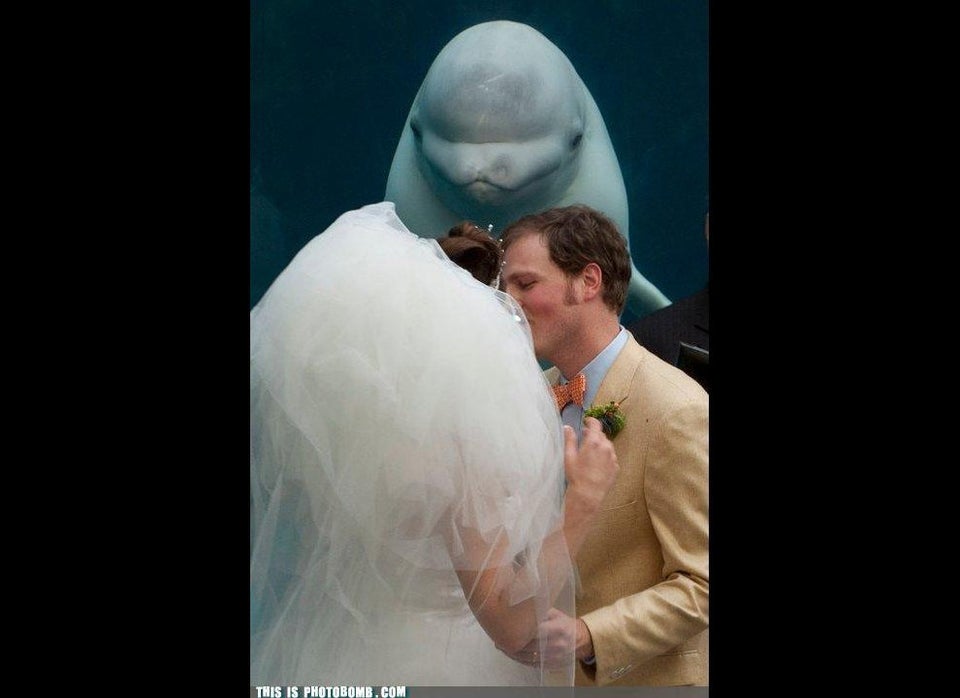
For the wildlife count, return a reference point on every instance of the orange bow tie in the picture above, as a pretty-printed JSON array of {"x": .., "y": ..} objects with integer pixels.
[{"x": 572, "y": 391}]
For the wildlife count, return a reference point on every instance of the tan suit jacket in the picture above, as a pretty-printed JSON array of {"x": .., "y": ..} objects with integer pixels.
[{"x": 644, "y": 580}]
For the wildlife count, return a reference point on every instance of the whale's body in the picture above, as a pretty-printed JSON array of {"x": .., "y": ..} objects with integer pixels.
[{"x": 503, "y": 126}]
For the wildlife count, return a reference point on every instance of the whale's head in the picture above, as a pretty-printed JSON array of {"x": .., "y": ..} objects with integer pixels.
[{"x": 499, "y": 122}]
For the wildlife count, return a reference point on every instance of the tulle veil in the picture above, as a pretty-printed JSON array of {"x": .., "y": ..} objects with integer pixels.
[{"x": 398, "y": 420}]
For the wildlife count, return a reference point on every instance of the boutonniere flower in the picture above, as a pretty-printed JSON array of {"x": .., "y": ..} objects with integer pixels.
[{"x": 610, "y": 417}]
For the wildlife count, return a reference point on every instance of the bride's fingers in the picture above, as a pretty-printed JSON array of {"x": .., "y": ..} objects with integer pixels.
[
  {"x": 569, "y": 442},
  {"x": 592, "y": 424}
]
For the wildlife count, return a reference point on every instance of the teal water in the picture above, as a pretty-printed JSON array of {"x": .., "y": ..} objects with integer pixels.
[{"x": 331, "y": 84}]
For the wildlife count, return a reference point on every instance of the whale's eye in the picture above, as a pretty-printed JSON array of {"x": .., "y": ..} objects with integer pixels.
[
  {"x": 576, "y": 141},
  {"x": 415, "y": 127}
]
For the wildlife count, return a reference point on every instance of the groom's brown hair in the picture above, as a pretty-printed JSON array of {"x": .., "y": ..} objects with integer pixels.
[{"x": 575, "y": 236}]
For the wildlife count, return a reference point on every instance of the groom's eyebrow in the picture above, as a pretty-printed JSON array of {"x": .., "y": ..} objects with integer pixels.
[{"x": 518, "y": 274}]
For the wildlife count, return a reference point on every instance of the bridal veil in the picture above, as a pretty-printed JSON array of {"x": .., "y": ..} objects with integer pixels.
[{"x": 397, "y": 416}]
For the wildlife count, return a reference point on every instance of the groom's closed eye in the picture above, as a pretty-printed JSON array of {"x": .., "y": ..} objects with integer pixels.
[{"x": 522, "y": 282}]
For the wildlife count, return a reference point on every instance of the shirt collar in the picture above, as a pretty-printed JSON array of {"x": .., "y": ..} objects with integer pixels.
[{"x": 596, "y": 370}]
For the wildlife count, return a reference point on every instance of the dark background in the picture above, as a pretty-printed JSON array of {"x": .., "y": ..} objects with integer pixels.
[{"x": 331, "y": 84}]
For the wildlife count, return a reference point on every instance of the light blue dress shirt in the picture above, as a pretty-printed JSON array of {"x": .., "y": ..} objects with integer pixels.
[{"x": 594, "y": 372}]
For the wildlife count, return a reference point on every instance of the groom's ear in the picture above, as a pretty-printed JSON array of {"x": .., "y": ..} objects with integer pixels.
[{"x": 592, "y": 279}]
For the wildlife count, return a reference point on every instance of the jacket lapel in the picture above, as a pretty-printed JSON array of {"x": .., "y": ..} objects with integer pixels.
[{"x": 616, "y": 384}]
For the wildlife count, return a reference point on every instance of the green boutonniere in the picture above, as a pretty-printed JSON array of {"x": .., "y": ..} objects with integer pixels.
[{"x": 610, "y": 417}]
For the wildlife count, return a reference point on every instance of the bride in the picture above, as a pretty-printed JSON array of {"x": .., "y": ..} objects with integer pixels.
[{"x": 415, "y": 504}]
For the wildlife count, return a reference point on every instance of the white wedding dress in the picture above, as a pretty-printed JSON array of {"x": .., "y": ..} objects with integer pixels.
[{"x": 396, "y": 407}]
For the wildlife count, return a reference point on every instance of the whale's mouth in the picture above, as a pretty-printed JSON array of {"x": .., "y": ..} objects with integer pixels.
[
  {"x": 481, "y": 187},
  {"x": 484, "y": 192},
  {"x": 488, "y": 185}
]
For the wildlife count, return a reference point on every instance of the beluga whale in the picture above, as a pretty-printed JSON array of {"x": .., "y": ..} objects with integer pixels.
[{"x": 503, "y": 126}]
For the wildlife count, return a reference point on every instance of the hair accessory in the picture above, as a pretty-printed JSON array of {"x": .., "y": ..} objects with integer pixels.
[{"x": 496, "y": 281}]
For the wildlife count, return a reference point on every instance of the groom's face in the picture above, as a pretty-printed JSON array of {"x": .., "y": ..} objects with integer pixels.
[{"x": 546, "y": 294}]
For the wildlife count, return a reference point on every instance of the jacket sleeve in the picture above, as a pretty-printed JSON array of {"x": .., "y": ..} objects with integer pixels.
[{"x": 636, "y": 628}]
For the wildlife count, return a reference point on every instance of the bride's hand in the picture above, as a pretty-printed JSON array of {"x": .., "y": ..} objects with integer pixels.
[
  {"x": 559, "y": 636},
  {"x": 591, "y": 470}
]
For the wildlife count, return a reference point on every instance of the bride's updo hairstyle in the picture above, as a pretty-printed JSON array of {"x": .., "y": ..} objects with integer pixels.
[{"x": 472, "y": 248}]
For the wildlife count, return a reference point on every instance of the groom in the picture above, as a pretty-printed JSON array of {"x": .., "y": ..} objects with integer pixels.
[{"x": 643, "y": 605}]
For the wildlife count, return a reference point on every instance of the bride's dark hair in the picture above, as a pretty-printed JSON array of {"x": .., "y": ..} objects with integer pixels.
[{"x": 472, "y": 247}]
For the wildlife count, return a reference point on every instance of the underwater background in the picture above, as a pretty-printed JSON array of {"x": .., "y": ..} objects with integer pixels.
[{"x": 331, "y": 84}]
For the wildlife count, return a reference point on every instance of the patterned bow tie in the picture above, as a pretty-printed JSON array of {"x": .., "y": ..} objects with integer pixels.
[{"x": 572, "y": 391}]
